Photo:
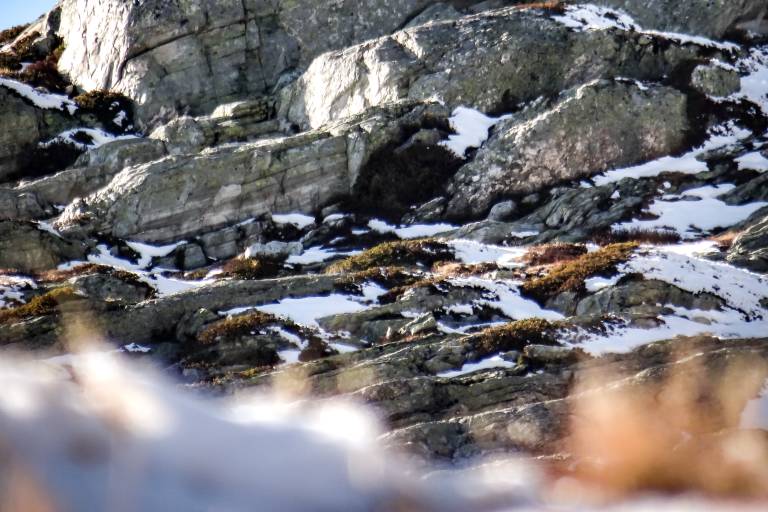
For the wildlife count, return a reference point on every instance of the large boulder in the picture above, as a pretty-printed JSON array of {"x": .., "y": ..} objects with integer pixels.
[
  {"x": 24, "y": 125},
  {"x": 520, "y": 55},
  {"x": 590, "y": 129},
  {"x": 191, "y": 55},
  {"x": 25, "y": 247}
]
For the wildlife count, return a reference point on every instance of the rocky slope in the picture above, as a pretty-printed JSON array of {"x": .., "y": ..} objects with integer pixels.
[{"x": 457, "y": 212}]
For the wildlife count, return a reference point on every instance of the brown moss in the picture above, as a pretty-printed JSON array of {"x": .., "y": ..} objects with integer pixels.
[
  {"x": 45, "y": 304},
  {"x": 9, "y": 34},
  {"x": 549, "y": 6},
  {"x": 448, "y": 269},
  {"x": 570, "y": 276},
  {"x": 554, "y": 253},
  {"x": 57, "y": 276},
  {"x": 9, "y": 63},
  {"x": 250, "y": 269},
  {"x": 640, "y": 235},
  {"x": 515, "y": 336},
  {"x": 24, "y": 48},
  {"x": 42, "y": 73},
  {"x": 400, "y": 252},
  {"x": 235, "y": 326}
]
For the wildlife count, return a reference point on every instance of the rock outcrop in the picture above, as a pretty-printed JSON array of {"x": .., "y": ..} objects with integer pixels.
[{"x": 591, "y": 129}]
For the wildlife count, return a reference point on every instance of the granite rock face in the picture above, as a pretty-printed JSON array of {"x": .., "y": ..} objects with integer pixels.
[
  {"x": 193, "y": 55},
  {"x": 521, "y": 56},
  {"x": 598, "y": 126}
]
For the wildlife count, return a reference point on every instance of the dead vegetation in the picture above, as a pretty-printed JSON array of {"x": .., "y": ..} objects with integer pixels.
[
  {"x": 639, "y": 235},
  {"x": 570, "y": 276},
  {"x": 557, "y": 252},
  {"x": 515, "y": 336},
  {"x": 426, "y": 251},
  {"x": 45, "y": 304}
]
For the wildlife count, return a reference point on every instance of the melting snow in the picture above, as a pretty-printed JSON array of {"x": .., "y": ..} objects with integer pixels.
[
  {"x": 754, "y": 86},
  {"x": 471, "y": 252},
  {"x": 98, "y": 138},
  {"x": 507, "y": 299},
  {"x": 754, "y": 161},
  {"x": 316, "y": 255},
  {"x": 689, "y": 163},
  {"x": 471, "y": 129},
  {"x": 40, "y": 99},
  {"x": 692, "y": 217},
  {"x": 593, "y": 17},
  {"x": 484, "y": 364},
  {"x": 11, "y": 289},
  {"x": 409, "y": 232},
  {"x": 299, "y": 220}
]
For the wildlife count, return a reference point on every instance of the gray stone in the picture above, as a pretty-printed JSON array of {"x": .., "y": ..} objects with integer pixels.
[
  {"x": 274, "y": 250},
  {"x": 502, "y": 211},
  {"x": 187, "y": 57},
  {"x": 715, "y": 80},
  {"x": 112, "y": 287},
  {"x": 538, "y": 57},
  {"x": 26, "y": 248},
  {"x": 590, "y": 129}
]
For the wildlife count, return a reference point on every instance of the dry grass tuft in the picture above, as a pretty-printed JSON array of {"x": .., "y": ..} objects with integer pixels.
[
  {"x": 45, "y": 304},
  {"x": 570, "y": 276},
  {"x": 400, "y": 252},
  {"x": 250, "y": 269},
  {"x": 639, "y": 235},
  {"x": 515, "y": 336},
  {"x": 554, "y": 253}
]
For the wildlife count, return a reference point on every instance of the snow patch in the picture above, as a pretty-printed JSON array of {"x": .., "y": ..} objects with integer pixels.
[
  {"x": 40, "y": 99},
  {"x": 484, "y": 364},
  {"x": 410, "y": 232},
  {"x": 299, "y": 220},
  {"x": 98, "y": 138},
  {"x": 471, "y": 127}
]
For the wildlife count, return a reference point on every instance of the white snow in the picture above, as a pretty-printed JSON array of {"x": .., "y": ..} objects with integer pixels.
[
  {"x": 299, "y": 220},
  {"x": 307, "y": 310},
  {"x": 471, "y": 127},
  {"x": 741, "y": 290},
  {"x": 505, "y": 296},
  {"x": 690, "y": 218},
  {"x": 754, "y": 161},
  {"x": 484, "y": 364},
  {"x": 471, "y": 252},
  {"x": 410, "y": 232},
  {"x": 98, "y": 138},
  {"x": 317, "y": 255},
  {"x": 689, "y": 163},
  {"x": 12, "y": 289},
  {"x": 589, "y": 17},
  {"x": 754, "y": 85},
  {"x": 595, "y": 284},
  {"x": 40, "y": 99},
  {"x": 163, "y": 285},
  {"x": 148, "y": 252}
]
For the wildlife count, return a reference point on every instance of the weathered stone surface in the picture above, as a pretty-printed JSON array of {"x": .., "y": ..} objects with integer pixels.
[
  {"x": 521, "y": 56},
  {"x": 26, "y": 248},
  {"x": 24, "y": 126},
  {"x": 112, "y": 287},
  {"x": 715, "y": 80},
  {"x": 192, "y": 55},
  {"x": 750, "y": 248},
  {"x": 180, "y": 196},
  {"x": 704, "y": 17},
  {"x": 593, "y": 128}
]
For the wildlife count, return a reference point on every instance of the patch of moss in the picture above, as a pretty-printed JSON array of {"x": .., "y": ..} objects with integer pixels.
[
  {"x": 453, "y": 269},
  {"x": 235, "y": 326},
  {"x": 570, "y": 276},
  {"x": 553, "y": 253},
  {"x": 399, "y": 252},
  {"x": 9, "y": 63},
  {"x": 250, "y": 269},
  {"x": 45, "y": 304},
  {"x": 105, "y": 106},
  {"x": 9, "y": 34},
  {"x": 515, "y": 336}
]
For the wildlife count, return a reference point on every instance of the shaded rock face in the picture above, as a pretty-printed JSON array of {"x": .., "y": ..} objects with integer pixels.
[
  {"x": 589, "y": 130},
  {"x": 522, "y": 55},
  {"x": 24, "y": 126},
  {"x": 191, "y": 56},
  {"x": 26, "y": 248}
]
